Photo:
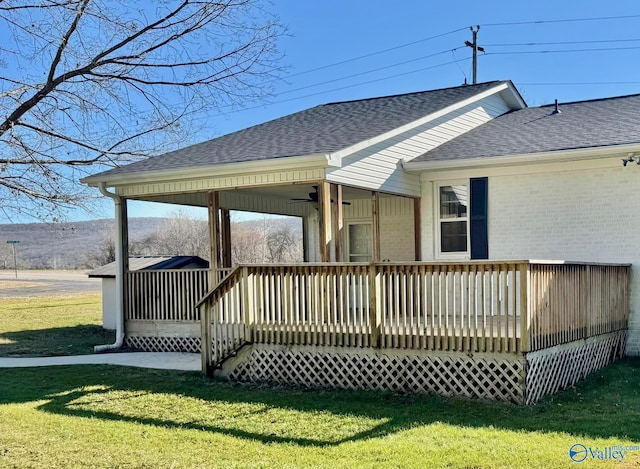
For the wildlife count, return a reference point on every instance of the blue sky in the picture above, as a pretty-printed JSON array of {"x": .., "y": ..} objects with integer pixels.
[{"x": 352, "y": 35}]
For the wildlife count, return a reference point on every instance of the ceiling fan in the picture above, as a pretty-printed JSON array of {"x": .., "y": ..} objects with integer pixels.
[{"x": 313, "y": 197}]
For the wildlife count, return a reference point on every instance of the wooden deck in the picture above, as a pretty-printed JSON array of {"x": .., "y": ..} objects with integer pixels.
[
  {"x": 506, "y": 307},
  {"x": 500, "y": 319}
]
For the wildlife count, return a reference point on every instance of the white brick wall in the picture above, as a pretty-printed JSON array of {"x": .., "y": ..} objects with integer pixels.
[
  {"x": 591, "y": 215},
  {"x": 566, "y": 212},
  {"x": 396, "y": 225}
]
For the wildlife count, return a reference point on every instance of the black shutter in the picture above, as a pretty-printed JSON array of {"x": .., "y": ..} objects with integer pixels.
[{"x": 478, "y": 216}]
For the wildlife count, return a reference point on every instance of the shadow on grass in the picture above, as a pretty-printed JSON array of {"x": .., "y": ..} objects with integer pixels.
[
  {"x": 606, "y": 405},
  {"x": 54, "y": 341}
]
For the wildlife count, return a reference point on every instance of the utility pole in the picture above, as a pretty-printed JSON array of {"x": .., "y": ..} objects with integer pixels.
[{"x": 476, "y": 48}]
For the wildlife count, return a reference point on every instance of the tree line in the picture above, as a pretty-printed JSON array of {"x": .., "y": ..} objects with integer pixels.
[{"x": 262, "y": 241}]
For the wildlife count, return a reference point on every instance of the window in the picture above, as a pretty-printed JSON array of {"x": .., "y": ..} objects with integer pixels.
[
  {"x": 453, "y": 218},
  {"x": 360, "y": 242},
  {"x": 462, "y": 229}
]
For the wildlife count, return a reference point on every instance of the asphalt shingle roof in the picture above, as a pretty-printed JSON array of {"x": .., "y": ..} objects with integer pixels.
[
  {"x": 321, "y": 129},
  {"x": 150, "y": 263},
  {"x": 583, "y": 124}
]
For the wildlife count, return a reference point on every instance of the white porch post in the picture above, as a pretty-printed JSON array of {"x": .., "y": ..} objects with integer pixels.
[
  {"x": 122, "y": 267},
  {"x": 122, "y": 223}
]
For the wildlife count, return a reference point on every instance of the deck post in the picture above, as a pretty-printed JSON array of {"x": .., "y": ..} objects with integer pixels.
[
  {"x": 305, "y": 239},
  {"x": 336, "y": 221},
  {"x": 247, "y": 305},
  {"x": 206, "y": 345},
  {"x": 225, "y": 224},
  {"x": 374, "y": 295},
  {"x": 417, "y": 240},
  {"x": 214, "y": 237},
  {"x": 375, "y": 228},
  {"x": 525, "y": 308},
  {"x": 324, "y": 220},
  {"x": 591, "y": 311},
  {"x": 206, "y": 352}
]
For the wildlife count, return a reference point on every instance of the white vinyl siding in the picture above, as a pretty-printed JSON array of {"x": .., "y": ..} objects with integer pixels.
[
  {"x": 379, "y": 166},
  {"x": 222, "y": 182}
]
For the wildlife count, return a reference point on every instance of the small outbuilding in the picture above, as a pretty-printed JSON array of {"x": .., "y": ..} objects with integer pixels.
[{"x": 107, "y": 273}]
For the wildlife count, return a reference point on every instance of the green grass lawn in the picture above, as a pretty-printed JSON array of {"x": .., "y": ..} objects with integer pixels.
[
  {"x": 100, "y": 416},
  {"x": 65, "y": 325}
]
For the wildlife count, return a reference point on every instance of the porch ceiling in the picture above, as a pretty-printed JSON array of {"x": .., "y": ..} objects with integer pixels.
[{"x": 268, "y": 199}]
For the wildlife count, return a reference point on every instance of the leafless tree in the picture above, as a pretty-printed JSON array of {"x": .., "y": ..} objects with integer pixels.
[
  {"x": 265, "y": 241},
  {"x": 103, "y": 254},
  {"x": 6, "y": 256},
  {"x": 247, "y": 243},
  {"x": 179, "y": 235},
  {"x": 89, "y": 84}
]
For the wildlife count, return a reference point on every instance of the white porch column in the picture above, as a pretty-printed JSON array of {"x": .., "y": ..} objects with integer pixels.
[{"x": 122, "y": 267}]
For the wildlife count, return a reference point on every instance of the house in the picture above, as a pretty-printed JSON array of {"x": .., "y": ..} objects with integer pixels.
[
  {"x": 425, "y": 212},
  {"x": 107, "y": 273}
]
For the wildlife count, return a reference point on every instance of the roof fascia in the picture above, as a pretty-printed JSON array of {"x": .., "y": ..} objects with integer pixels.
[
  {"x": 198, "y": 172},
  {"x": 514, "y": 98},
  {"x": 557, "y": 156},
  {"x": 502, "y": 87}
]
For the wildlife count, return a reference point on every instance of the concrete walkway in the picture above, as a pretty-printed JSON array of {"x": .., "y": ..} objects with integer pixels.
[{"x": 158, "y": 360}]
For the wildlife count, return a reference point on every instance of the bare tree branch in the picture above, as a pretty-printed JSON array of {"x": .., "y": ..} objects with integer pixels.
[{"x": 122, "y": 81}]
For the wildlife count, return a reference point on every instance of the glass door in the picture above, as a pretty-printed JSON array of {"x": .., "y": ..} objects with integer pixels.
[{"x": 360, "y": 242}]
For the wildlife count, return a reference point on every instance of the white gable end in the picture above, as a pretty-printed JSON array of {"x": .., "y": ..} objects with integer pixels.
[{"x": 379, "y": 166}]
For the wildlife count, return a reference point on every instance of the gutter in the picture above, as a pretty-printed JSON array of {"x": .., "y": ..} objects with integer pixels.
[
  {"x": 553, "y": 156},
  {"x": 318, "y": 160},
  {"x": 117, "y": 200}
]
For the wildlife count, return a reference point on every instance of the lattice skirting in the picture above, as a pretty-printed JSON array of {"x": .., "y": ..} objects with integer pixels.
[
  {"x": 556, "y": 368},
  {"x": 163, "y": 344},
  {"x": 484, "y": 376}
]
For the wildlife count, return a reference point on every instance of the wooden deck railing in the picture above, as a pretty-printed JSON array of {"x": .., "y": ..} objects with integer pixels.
[
  {"x": 165, "y": 295},
  {"x": 572, "y": 301},
  {"x": 511, "y": 306},
  {"x": 168, "y": 295}
]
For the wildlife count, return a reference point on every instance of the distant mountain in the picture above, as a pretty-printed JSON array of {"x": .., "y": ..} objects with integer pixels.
[
  {"x": 64, "y": 245},
  {"x": 78, "y": 245}
]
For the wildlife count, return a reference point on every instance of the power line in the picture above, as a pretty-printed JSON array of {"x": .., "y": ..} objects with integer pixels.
[
  {"x": 397, "y": 64},
  {"x": 577, "y": 83},
  {"x": 562, "y": 51},
  {"x": 604, "y": 41},
  {"x": 569, "y": 20},
  {"x": 336, "y": 89},
  {"x": 322, "y": 67}
]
